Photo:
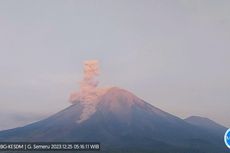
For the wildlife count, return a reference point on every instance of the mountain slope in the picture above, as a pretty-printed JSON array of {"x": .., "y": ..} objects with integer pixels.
[
  {"x": 207, "y": 124},
  {"x": 122, "y": 123}
]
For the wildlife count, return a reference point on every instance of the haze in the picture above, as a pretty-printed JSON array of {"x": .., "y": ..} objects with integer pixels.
[{"x": 173, "y": 54}]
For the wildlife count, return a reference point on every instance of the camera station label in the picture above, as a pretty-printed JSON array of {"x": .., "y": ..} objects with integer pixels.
[{"x": 50, "y": 146}]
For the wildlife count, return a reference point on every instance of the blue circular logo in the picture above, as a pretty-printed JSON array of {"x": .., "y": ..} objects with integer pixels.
[{"x": 227, "y": 138}]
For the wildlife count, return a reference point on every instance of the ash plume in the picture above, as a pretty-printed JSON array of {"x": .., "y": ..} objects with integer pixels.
[
  {"x": 91, "y": 71},
  {"x": 88, "y": 86}
]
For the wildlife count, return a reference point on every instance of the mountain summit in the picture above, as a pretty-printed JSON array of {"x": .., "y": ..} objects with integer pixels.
[{"x": 121, "y": 122}]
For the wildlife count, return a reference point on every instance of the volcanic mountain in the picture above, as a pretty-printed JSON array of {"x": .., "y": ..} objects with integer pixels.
[
  {"x": 121, "y": 122},
  {"x": 206, "y": 124}
]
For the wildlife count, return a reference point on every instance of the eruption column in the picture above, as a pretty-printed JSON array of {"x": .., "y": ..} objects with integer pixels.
[{"x": 88, "y": 85}]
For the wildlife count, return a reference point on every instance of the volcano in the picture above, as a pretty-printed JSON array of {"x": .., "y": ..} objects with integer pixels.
[{"x": 121, "y": 122}]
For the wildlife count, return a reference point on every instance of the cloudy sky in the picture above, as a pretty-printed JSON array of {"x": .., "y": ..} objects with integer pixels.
[{"x": 173, "y": 54}]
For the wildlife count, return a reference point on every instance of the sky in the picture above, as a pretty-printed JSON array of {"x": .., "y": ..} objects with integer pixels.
[{"x": 173, "y": 54}]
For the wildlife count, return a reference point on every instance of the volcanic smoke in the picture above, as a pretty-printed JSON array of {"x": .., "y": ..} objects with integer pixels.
[
  {"x": 89, "y": 94},
  {"x": 91, "y": 71},
  {"x": 88, "y": 86}
]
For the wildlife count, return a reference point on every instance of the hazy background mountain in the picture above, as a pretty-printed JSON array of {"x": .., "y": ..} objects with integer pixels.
[{"x": 205, "y": 123}]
